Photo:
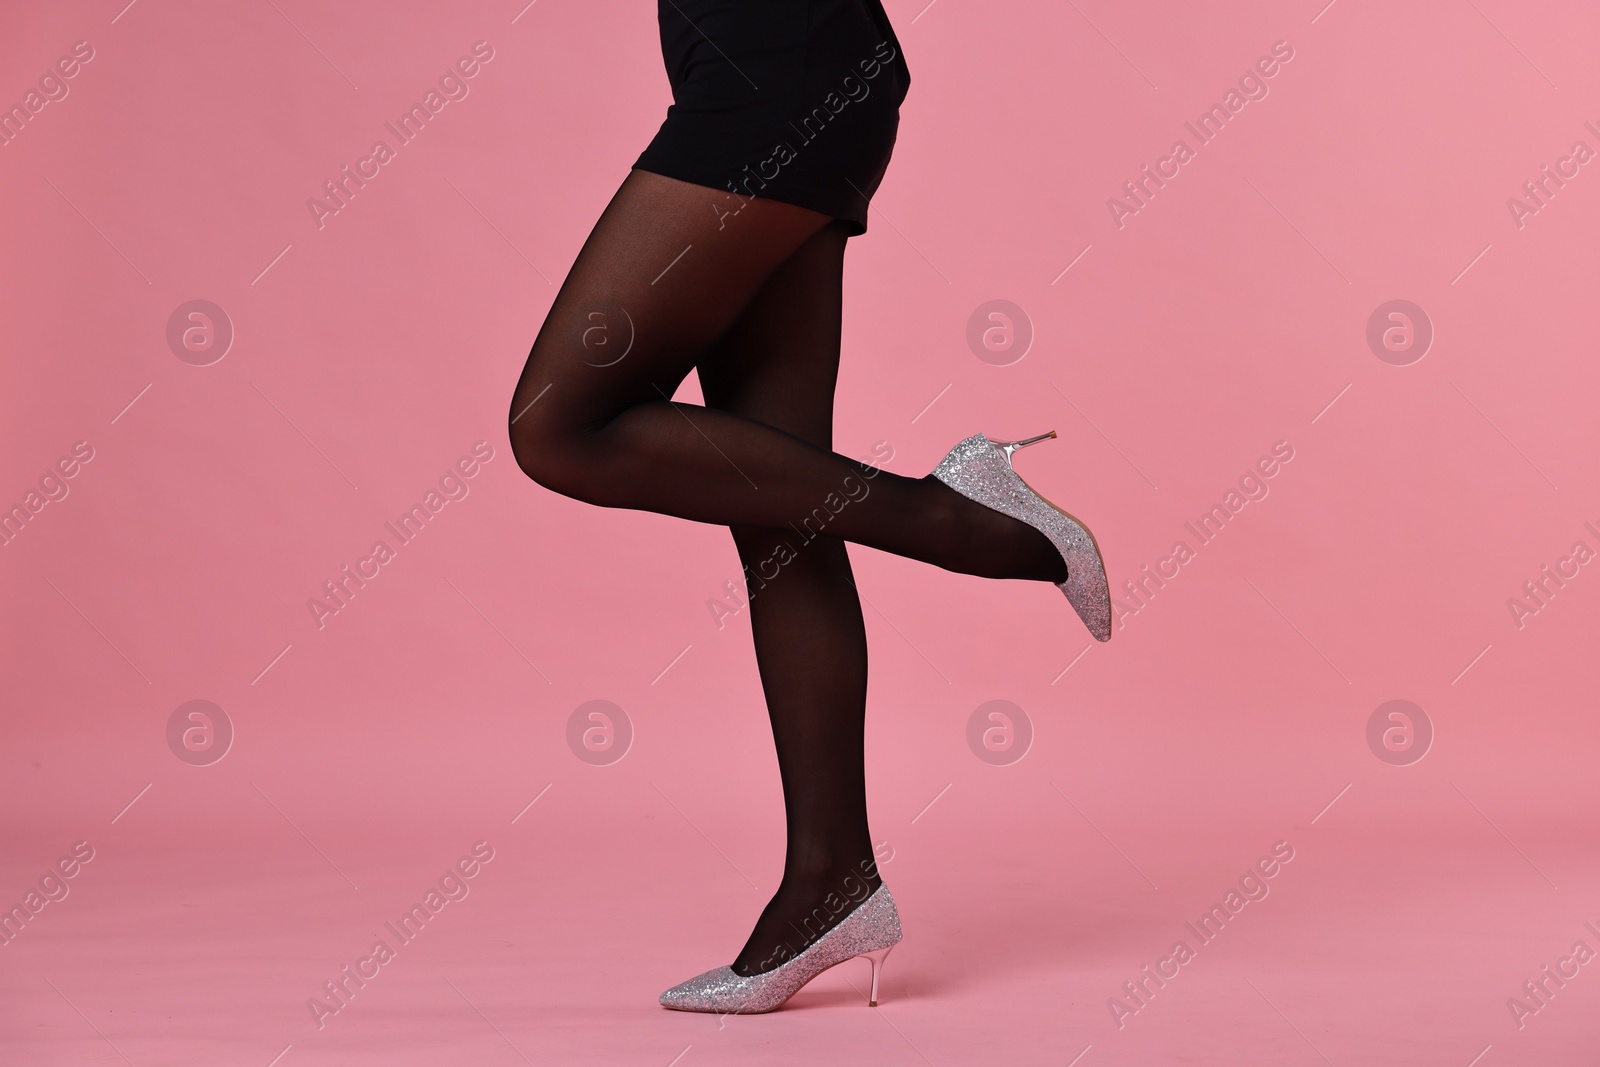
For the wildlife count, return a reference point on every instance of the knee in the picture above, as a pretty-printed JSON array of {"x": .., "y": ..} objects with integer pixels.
[
  {"x": 577, "y": 460},
  {"x": 554, "y": 466},
  {"x": 551, "y": 456}
]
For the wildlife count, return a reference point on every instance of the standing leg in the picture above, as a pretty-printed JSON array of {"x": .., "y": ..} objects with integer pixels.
[{"x": 777, "y": 366}]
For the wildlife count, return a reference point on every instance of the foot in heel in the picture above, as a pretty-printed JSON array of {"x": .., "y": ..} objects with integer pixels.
[
  {"x": 980, "y": 469},
  {"x": 870, "y": 930}
]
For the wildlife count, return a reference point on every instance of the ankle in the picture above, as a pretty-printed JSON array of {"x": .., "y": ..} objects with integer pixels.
[
  {"x": 948, "y": 519},
  {"x": 802, "y": 911},
  {"x": 851, "y": 885},
  {"x": 975, "y": 539}
]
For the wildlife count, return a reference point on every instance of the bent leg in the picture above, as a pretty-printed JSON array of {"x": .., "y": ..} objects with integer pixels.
[{"x": 661, "y": 278}]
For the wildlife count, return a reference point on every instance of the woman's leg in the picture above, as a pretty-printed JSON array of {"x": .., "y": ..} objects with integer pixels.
[
  {"x": 777, "y": 366},
  {"x": 666, "y": 272}
]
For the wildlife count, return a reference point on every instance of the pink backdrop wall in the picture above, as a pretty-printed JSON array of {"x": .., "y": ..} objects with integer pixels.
[{"x": 1173, "y": 346}]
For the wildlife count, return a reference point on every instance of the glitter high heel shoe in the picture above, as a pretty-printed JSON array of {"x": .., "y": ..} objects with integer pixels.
[
  {"x": 980, "y": 469},
  {"x": 871, "y": 931}
]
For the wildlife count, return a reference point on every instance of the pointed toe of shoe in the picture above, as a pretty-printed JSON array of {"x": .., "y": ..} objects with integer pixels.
[
  {"x": 1089, "y": 595},
  {"x": 1099, "y": 622},
  {"x": 703, "y": 992}
]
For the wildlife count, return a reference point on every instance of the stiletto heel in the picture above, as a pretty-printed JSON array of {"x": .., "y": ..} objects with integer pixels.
[
  {"x": 876, "y": 959},
  {"x": 980, "y": 469},
  {"x": 871, "y": 930},
  {"x": 1012, "y": 446}
]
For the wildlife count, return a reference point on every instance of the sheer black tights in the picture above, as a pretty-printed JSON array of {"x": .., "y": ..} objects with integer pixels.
[{"x": 673, "y": 278}]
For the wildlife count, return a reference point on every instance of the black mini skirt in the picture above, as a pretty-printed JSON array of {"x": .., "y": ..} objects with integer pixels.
[{"x": 792, "y": 100}]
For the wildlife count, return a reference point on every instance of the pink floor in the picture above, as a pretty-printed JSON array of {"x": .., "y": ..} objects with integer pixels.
[{"x": 1414, "y": 514}]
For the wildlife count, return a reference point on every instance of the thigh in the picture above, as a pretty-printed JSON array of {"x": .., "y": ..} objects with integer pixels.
[
  {"x": 665, "y": 273},
  {"x": 779, "y": 361}
]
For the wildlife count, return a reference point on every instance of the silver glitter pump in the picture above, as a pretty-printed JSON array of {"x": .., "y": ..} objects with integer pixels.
[
  {"x": 871, "y": 930},
  {"x": 980, "y": 469}
]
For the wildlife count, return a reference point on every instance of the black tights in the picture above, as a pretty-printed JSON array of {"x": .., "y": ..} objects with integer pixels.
[{"x": 677, "y": 277}]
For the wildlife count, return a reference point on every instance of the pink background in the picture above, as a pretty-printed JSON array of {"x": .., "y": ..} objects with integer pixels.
[{"x": 1224, "y": 717}]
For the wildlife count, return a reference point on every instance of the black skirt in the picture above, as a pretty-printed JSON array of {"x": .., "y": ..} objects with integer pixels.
[{"x": 792, "y": 100}]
